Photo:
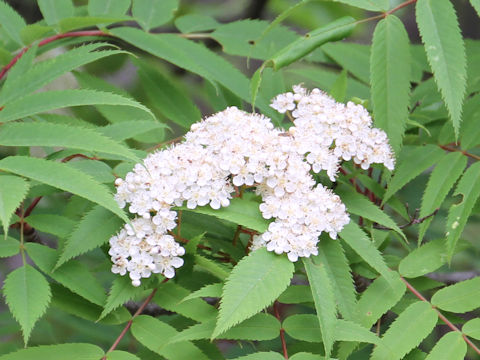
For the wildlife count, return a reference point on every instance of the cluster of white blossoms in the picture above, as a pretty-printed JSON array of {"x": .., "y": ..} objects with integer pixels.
[{"x": 232, "y": 149}]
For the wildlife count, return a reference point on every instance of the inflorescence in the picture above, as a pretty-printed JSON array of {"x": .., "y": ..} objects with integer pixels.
[{"x": 233, "y": 148}]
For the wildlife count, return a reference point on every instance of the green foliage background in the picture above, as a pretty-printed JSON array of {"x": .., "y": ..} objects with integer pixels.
[{"x": 88, "y": 88}]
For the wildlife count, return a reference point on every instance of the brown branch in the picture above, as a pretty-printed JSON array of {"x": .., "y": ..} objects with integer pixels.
[
  {"x": 451, "y": 149},
  {"x": 413, "y": 221},
  {"x": 282, "y": 330},
  {"x": 440, "y": 315},
  {"x": 129, "y": 323}
]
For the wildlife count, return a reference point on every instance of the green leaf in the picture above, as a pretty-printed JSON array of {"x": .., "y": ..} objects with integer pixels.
[
  {"x": 13, "y": 190},
  {"x": 95, "y": 229},
  {"x": 50, "y": 100},
  {"x": 255, "y": 83},
  {"x": 439, "y": 186},
  {"x": 359, "y": 205},
  {"x": 11, "y": 22},
  {"x": 323, "y": 298},
  {"x": 193, "y": 57},
  {"x": 304, "y": 327},
  {"x": 171, "y": 297},
  {"x": 296, "y": 294},
  {"x": 258, "y": 328},
  {"x": 67, "y": 301},
  {"x": 98, "y": 170},
  {"x": 334, "y": 31},
  {"x": 425, "y": 259},
  {"x": 211, "y": 290},
  {"x": 74, "y": 275},
  {"x": 46, "y": 71},
  {"x": 27, "y": 294},
  {"x": 261, "y": 356},
  {"x": 108, "y": 7},
  {"x": 472, "y": 328},
  {"x": 411, "y": 164},
  {"x": 9, "y": 247},
  {"x": 48, "y": 134},
  {"x": 349, "y": 331},
  {"x": 53, "y": 10},
  {"x": 331, "y": 254},
  {"x": 469, "y": 131},
  {"x": 155, "y": 335},
  {"x": 21, "y": 66},
  {"x": 121, "y": 355},
  {"x": 450, "y": 347},
  {"x": 469, "y": 189},
  {"x": 356, "y": 238},
  {"x": 406, "y": 332},
  {"x": 129, "y": 129},
  {"x": 372, "y": 5},
  {"x": 306, "y": 356},
  {"x": 57, "y": 225},
  {"x": 460, "y": 297},
  {"x": 339, "y": 88},
  {"x": 153, "y": 13},
  {"x": 195, "y": 22},
  {"x": 78, "y": 22},
  {"x": 254, "y": 283},
  {"x": 445, "y": 50},
  {"x": 214, "y": 267},
  {"x": 355, "y": 58},
  {"x": 33, "y": 32},
  {"x": 476, "y": 5},
  {"x": 379, "y": 297},
  {"x": 57, "y": 352},
  {"x": 64, "y": 177},
  {"x": 121, "y": 291},
  {"x": 241, "y": 38},
  {"x": 390, "y": 61},
  {"x": 241, "y": 211},
  {"x": 168, "y": 99}
]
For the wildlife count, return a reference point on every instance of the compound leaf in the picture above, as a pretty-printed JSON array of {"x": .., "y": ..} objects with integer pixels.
[
  {"x": 50, "y": 100},
  {"x": 27, "y": 294},
  {"x": 450, "y": 347},
  {"x": 76, "y": 351},
  {"x": 412, "y": 163},
  {"x": 469, "y": 188},
  {"x": 64, "y": 177},
  {"x": 439, "y": 185},
  {"x": 92, "y": 231},
  {"x": 155, "y": 335},
  {"x": 390, "y": 61},
  {"x": 460, "y": 297},
  {"x": 406, "y": 332},
  {"x": 153, "y": 13},
  {"x": 49, "y": 134},
  {"x": 13, "y": 190},
  {"x": 254, "y": 283},
  {"x": 324, "y": 299},
  {"x": 445, "y": 50}
]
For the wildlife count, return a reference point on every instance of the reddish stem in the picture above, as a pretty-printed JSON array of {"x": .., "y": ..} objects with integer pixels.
[
  {"x": 32, "y": 206},
  {"x": 49, "y": 40},
  {"x": 282, "y": 330},
  {"x": 440, "y": 315},
  {"x": 402, "y": 5},
  {"x": 129, "y": 324},
  {"x": 448, "y": 148}
]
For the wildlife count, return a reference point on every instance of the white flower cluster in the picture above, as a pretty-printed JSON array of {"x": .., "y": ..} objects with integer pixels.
[{"x": 234, "y": 148}]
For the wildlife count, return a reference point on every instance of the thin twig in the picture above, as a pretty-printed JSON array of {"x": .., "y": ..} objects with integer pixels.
[
  {"x": 448, "y": 148},
  {"x": 282, "y": 330},
  {"x": 440, "y": 315},
  {"x": 413, "y": 221},
  {"x": 129, "y": 323}
]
